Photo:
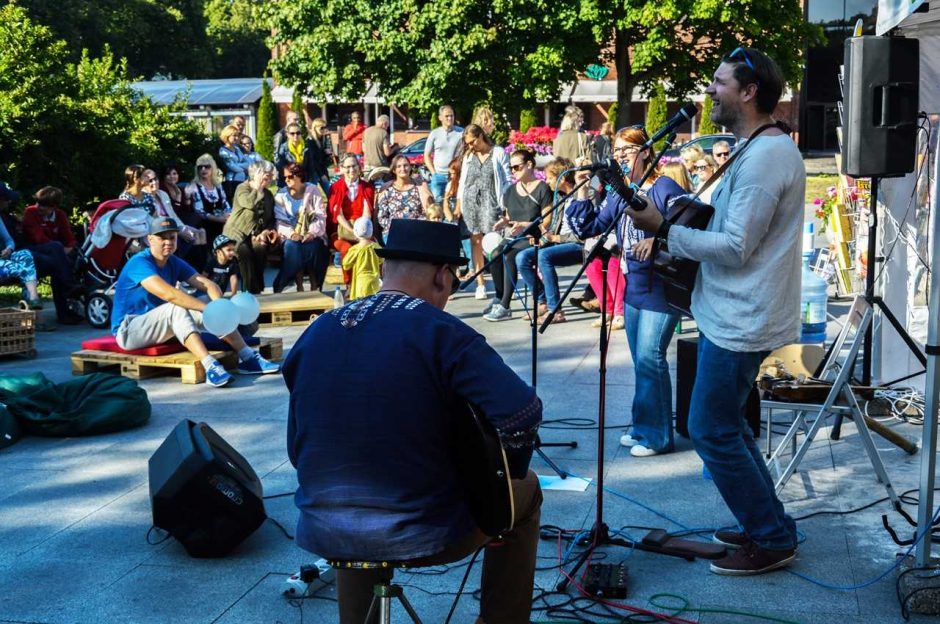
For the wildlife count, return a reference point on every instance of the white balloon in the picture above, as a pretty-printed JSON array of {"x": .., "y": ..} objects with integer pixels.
[
  {"x": 248, "y": 308},
  {"x": 490, "y": 242},
  {"x": 220, "y": 317}
]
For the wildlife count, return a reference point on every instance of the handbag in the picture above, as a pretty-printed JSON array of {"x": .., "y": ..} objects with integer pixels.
[{"x": 679, "y": 274}]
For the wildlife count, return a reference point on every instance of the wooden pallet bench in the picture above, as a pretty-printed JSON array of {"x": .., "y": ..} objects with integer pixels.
[
  {"x": 285, "y": 309},
  {"x": 185, "y": 363},
  {"x": 334, "y": 276}
]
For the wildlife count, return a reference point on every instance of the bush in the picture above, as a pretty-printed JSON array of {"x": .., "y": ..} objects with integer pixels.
[
  {"x": 267, "y": 123},
  {"x": 78, "y": 125},
  {"x": 297, "y": 105},
  {"x": 527, "y": 119},
  {"x": 706, "y": 125},
  {"x": 656, "y": 112},
  {"x": 612, "y": 114}
]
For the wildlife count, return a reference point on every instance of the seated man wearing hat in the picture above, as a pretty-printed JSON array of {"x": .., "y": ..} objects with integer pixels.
[
  {"x": 149, "y": 309},
  {"x": 378, "y": 479}
]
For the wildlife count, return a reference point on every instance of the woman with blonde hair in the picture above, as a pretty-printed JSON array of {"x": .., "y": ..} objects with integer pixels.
[
  {"x": 689, "y": 155},
  {"x": 571, "y": 143},
  {"x": 321, "y": 156},
  {"x": 483, "y": 117},
  {"x": 677, "y": 172},
  {"x": 649, "y": 321},
  {"x": 204, "y": 193},
  {"x": 484, "y": 178},
  {"x": 234, "y": 160}
]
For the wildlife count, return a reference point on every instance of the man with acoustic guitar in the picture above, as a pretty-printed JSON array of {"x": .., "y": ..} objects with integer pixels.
[
  {"x": 382, "y": 391},
  {"x": 745, "y": 302}
]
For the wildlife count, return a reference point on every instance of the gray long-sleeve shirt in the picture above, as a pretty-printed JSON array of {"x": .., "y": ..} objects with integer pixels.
[{"x": 747, "y": 294}]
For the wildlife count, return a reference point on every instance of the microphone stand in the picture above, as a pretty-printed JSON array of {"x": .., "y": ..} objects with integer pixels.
[
  {"x": 533, "y": 230},
  {"x": 600, "y": 535}
]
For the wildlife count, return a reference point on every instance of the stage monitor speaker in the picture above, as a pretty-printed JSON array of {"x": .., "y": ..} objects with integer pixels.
[
  {"x": 203, "y": 492},
  {"x": 880, "y": 100},
  {"x": 686, "y": 366}
]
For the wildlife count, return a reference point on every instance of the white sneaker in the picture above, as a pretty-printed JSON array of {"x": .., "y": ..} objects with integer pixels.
[
  {"x": 480, "y": 293},
  {"x": 628, "y": 440},
  {"x": 498, "y": 313},
  {"x": 638, "y": 450}
]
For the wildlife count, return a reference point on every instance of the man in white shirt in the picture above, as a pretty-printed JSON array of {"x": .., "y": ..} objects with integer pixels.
[
  {"x": 746, "y": 302},
  {"x": 441, "y": 148}
]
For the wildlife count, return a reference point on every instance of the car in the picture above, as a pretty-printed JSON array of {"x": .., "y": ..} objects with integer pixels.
[
  {"x": 705, "y": 142},
  {"x": 414, "y": 151}
]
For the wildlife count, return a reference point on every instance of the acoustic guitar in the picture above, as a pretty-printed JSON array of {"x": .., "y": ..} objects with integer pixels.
[{"x": 484, "y": 472}]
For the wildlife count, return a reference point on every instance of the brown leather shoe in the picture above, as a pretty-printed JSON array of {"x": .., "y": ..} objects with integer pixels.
[
  {"x": 731, "y": 539},
  {"x": 751, "y": 559},
  {"x": 588, "y": 305}
]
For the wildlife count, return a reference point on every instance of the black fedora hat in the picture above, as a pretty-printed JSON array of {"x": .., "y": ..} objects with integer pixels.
[{"x": 423, "y": 241}]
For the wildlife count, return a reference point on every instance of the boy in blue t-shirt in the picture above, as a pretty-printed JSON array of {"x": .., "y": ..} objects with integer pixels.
[{"x": 149, "y": 309}]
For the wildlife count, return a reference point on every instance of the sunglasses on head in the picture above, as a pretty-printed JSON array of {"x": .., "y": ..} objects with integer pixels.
[{"x": 742, "y": 53}]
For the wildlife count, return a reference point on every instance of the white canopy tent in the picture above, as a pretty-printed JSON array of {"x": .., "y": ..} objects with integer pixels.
[{"x": 903, "y": 285}]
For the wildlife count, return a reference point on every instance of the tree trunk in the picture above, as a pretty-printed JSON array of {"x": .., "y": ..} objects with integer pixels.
[{"x": 624, "y": 78}]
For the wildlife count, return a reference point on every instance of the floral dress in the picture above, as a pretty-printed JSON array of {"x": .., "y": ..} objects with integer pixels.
[
  {"x": 480, "y": 207},
  {"x": 396, "y": 204}
]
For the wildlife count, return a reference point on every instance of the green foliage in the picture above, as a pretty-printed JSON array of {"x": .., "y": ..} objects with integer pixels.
[
  {"x": 527, "y": 119},
  {"x": 267, "y": 123},
  {"x": 78, "y": 125},
  {"x": 172, "y": 38},
  {"x": 510, "y": 53},
  {"x": 706, "y": 125},
  {"x": 656, "y": 111},
  {"x": 682, "y": 41},
  {"x": 612, "y": 112},
  {"x": 297, "y": 105}
]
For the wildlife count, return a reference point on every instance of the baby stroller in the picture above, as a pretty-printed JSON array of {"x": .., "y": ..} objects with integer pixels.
[{"x": 112, "y": 232}]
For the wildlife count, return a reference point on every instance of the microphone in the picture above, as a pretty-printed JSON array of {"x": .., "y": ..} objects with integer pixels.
[
  {"x": 608, "y": 163},
  {"x": 686, "y": 113}
]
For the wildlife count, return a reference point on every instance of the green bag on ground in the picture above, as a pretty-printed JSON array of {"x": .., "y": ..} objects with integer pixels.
[{"x": 86, "y": 405}]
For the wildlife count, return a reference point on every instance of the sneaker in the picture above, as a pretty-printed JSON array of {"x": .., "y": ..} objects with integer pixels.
[
  {"x": 217, "y": 376},
  {"x": 489, "y": 306},
  {"x": 731, "y": 539},
  {"x": 751, "y": 559},
  {"x": 498, "y": 313},
  {"x": 628, "y": 440},
  {"x": 257, "y": 365},
  {"x": 480, "y": 293},
  {"x": 638, "y": 450}
]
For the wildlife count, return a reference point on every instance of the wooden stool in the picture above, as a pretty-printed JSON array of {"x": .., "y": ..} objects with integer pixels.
[{"x": 382, "y": 593}]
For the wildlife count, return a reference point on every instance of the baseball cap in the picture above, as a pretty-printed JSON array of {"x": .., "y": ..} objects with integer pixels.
[
  {"x": 8, "y": 194},
  {"x": 164, "y": 224},
  {"x": 221, "y": 241}
]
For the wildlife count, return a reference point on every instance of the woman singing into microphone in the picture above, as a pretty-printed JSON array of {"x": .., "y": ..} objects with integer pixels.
[{"x": 649, "y": 321}]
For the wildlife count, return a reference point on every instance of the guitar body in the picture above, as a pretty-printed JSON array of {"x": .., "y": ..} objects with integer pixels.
[
  {"x": 678, "y": 274},
  {"x": 484, "y": 473}
]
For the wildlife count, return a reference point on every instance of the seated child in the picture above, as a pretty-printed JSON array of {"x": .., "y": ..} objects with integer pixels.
[
  {"x": 363, "y": 262},
  {"x": 222, "y": 266},
  {"x": 434, "y": 213}
]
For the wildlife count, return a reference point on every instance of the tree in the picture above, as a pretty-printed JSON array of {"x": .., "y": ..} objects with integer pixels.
[
  {"x": 682, "y": 41},
  {"x": 612, "y": 114},
  {"x": 508, "y": 53},
  {"x": 656, "y": 111},
  {"x": 78, "y": 125},
  {"x": 235, "y": 36},
  {"x": 297, "y": 105},
  {"x": 706, "y": 125},
  {"x": 527, "y": 119},
  {"x": 267, "y": 123}
]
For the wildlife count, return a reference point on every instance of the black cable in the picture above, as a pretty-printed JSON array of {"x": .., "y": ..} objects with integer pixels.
[
  {"x": 281, "y": 495},
  {"x": 453, "y": 607},
  {"x": 281, "y": 527}
]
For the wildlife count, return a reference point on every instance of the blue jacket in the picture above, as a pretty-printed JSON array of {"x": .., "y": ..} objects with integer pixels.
[
  {"x": 235, "y": 163},
  {"x": 644, "y": 289}
]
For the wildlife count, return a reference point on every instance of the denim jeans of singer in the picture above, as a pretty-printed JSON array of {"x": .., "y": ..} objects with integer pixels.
[
  {"x": 648, "y": 335},
  {"x": 724, "y": 441},
  {"x": 550, "y": 257}
]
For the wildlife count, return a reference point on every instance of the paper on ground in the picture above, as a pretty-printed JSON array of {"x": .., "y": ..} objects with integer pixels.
[{"x": 571, "y": 484}]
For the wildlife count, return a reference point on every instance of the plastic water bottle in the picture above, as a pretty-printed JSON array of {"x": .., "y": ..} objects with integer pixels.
[
  {"x": 338, "y": 301},
  {"x": 813, "y": 297}
]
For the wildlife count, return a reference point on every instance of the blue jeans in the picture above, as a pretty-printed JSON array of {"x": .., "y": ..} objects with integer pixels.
[
  {"x": 310, "y": 256},
  {"x": 648, "y": 335},
  {"x": 550, "y": 257},
  {"x": 438, "y": 185},
  {"x": 723, "y": 439}
]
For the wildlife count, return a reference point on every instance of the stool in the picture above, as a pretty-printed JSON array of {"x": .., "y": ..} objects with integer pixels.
[{"x": 382, "y": 593}]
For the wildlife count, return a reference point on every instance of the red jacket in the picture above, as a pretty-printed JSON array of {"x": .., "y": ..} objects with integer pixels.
[
  {"x": 39, "y": 231},
  {"x": 339, "y": 200},
  {"x": 353, "y": 137}
]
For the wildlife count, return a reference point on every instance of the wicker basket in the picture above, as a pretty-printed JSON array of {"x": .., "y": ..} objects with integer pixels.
[{"x": 17, "y": 332}]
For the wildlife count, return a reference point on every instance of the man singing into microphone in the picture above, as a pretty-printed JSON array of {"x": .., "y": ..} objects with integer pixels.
[{"x": 745, "y": 302}]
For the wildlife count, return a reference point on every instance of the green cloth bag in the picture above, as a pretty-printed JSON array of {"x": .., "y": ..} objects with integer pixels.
[
  {"x": 10, "y": 430},
  {"x": 87, "y": 405}
]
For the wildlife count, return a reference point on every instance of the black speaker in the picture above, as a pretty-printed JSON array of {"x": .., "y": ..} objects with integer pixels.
[
  {"x": 686, "y": 366},
  {"x": 880, "y": 99},
  {"x": 203, "y": 492}
]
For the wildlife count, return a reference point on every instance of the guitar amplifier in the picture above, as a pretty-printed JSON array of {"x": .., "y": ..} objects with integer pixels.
[{"x": 686, "y": 364}]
